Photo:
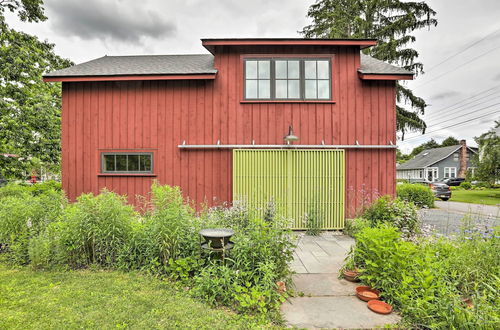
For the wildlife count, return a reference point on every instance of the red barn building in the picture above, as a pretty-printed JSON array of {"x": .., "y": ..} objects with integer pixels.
[{"x": 214, "y": 124}]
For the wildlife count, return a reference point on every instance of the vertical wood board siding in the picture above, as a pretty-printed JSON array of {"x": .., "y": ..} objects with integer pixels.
[{"x": 159, "y": 115}]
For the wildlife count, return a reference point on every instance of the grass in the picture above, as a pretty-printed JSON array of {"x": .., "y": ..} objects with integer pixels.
[
  {"x": 489, "y": 197},
  {"x": 103, "y": 299}
]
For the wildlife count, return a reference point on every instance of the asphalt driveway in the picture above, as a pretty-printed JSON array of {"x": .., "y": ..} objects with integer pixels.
[{"x": 448, "y": 217}]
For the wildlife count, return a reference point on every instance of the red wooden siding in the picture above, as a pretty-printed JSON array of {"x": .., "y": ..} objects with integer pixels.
[{"x": 159, "y": 115}]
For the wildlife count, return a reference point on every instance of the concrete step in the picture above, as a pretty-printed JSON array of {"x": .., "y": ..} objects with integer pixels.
[{"x": 346, "y": 312}]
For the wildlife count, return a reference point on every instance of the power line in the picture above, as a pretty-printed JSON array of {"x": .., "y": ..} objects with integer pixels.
[
  {"x": 471, "y": 97},
  {"x": 463, "y": 50},
  {"x": 459, "y": 66},
  {"x": 471, "y": 114},
  {"x": 464, "y": 102},
  {"x": 456, "y": 124},
  {"x": 469, "y": 108}
]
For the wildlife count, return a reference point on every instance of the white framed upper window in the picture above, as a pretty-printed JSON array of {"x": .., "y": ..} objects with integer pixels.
[
  {"x": 450, "y": 172},
  {"x": 287, "y": 79}
]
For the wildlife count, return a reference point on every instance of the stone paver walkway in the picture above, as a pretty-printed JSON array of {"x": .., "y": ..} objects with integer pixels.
[{"x": 328, "y": 302}]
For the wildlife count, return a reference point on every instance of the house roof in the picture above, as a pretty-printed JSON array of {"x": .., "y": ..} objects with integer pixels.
[
  {"x": 370, "y": 65},
  {"x": 210, "y": 44},
  {"x": 183, "y": 65},
  {"x": 141, "y": 65},
  {"x": 429, "y": 157}
]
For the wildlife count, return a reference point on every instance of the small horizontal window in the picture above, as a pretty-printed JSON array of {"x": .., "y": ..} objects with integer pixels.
[
  {"x": 127, "y": 162},
  {"x": 287, "y": 79}
]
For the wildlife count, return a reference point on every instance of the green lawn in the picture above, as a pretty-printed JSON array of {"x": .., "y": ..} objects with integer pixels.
[
  {"x": 490, "y": 196},
  {"x": 103, "y": 299}
]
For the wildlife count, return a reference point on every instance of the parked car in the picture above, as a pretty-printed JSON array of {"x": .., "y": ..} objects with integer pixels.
[
  {"x": 453, "y": 181},
  {"x": 440, "y": 189}
]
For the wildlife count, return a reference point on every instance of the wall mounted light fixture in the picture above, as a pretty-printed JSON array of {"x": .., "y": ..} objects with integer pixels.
[{"x": 290, "y": 137}]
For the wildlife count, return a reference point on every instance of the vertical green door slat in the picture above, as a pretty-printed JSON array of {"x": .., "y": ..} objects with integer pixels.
[{"x": 298, "y": 181}]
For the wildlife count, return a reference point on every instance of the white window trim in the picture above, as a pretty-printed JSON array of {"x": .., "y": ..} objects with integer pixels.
[
  {"x": 435, "y": 173},
  {"x": 448, "y": 171}
]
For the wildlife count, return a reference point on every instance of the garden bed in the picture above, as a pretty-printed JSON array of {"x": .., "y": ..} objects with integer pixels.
[{"x": 45, "y": 232}]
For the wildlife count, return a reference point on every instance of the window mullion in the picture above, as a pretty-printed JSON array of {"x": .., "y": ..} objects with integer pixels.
[
  {"x": 302, "y": 82},
  {"x": 272, "y": 78},
  {"x": 317, "y": 80}
]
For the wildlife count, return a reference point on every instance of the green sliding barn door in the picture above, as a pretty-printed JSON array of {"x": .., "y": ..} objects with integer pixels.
[{"x": 303, "y": 184}]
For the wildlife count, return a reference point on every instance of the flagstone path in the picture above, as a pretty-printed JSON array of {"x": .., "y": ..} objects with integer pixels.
[{"x": 328, "y": 302}]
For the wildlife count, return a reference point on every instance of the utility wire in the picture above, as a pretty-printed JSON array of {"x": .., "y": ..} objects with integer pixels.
[
  {"x": 469, "y": 114},
  {"x": 469, "y": 98},
  {"x": 463, "y": 103},
  {"x": 457, "y": 124},
  {"x": 459, "y": 111},
  {"x": 459, "y": 66},
  {"x": 463, "y": 50}
]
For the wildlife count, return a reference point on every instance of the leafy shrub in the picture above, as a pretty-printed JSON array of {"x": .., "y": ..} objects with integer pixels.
[
  {"x": 168, "y": 233},
  {"x": 260, "y": 258},
  {"x": 402, "y": 215},
  {"x": 44, "y": 187},
  {"x": 354, "y": 226},
  {"x": 419, "y": 195},
  {"x": 96, "y": 228},
  {"x": 466, "y": 185},
  {"x": 483, "y": 184},
  {"x": 428, "y": 280},
  {"x": 313, "y": 221},
  {"x": 103, "y": 231},
  {"x": 45, "y": 250},
  {"x": 15, "y": 189},
  {"x": 23, "y": 217}
]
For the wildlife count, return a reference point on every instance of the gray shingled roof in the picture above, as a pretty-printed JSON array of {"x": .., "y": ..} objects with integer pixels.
[
  {"x": 141, "y": 65},
  {"x": 178, "y": 65},
  {"x": 428, "y": 157},
  {"x": 370, "y": 65}
]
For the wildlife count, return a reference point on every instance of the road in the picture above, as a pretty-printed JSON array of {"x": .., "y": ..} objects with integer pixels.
[
  {"x": 492, "y": 210},
  {"x": 448, "y": 217}
]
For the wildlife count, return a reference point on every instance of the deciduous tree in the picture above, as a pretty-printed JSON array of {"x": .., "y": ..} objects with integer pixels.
[
  {"x": 487, "y": 163},
  {"x": 29, "y": 108}
]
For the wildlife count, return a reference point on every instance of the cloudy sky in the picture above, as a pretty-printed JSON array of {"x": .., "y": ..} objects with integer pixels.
[{"x": 461, "y": 55}]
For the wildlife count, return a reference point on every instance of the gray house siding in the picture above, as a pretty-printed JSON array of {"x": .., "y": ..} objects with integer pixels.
[
  {"x": 420, "y": 173},
  {"x": 450, "y": 162}
]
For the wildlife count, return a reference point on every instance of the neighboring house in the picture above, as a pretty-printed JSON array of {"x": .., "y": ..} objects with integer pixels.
[
  {"x": 438, "y": 164},
  {"x": 214, "y": 124}
]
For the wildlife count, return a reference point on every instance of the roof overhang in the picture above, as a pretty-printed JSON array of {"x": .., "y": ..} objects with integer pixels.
[
  {"x": 208, "y": 76},
  {"x": 379, "y": 76},
  {"x": 210, "y": 44}
]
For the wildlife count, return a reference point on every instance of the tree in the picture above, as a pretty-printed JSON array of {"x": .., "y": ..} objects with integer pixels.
[
  {"x": 450, "y": 141},
  {"x": 487, "y": 162},
  {"x": 391, "y": 22},
  {"x": 401, "y": 157},
  {"x": 27, "y": 10},
  {"x": 29, "y": 108},
  {"x": 424, "y": 146}
]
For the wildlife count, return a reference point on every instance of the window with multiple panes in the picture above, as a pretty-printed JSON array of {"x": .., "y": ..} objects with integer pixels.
[
  {"x": 130, "y": 162},
  {"x": 450, "y": 172},
  {"x": 258, "y": 79},
  {"x": 287, "y": 79}
]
